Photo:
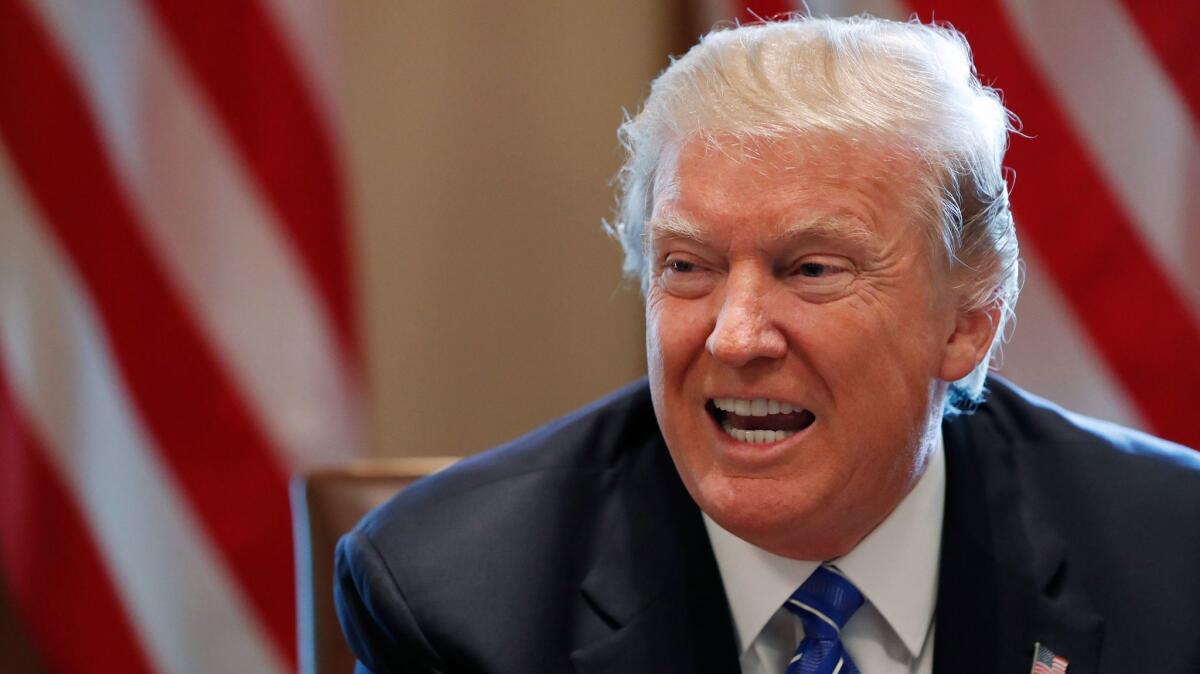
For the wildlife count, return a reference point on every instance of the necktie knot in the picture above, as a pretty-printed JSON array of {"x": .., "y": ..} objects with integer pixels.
[
  {"x": 824, "y": 604},
  {"x": 828, "y": 597}
]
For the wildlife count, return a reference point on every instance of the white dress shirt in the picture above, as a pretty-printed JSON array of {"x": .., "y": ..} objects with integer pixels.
[{"x": 895, "y": 567}]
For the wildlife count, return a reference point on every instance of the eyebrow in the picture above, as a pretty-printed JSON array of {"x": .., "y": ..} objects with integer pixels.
[
  {"x": 830, "y": 227},
  {"x": 672, "y": 225}
]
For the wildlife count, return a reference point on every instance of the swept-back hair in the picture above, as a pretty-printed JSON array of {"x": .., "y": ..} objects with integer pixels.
[{"x": 909, "y": 85}]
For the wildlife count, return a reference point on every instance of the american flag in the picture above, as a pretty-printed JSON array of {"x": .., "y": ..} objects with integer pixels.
[
  {"x": 1046, "y": 662},
  {"x": 1105, "y": 196},
  {"x": 177, "y": 332}
]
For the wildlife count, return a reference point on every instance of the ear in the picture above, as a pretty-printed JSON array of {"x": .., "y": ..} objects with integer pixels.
[{"x": 969, "y": 343}]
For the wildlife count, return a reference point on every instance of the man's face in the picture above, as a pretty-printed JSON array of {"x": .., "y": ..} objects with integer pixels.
[{"x": 796, "y": 273}]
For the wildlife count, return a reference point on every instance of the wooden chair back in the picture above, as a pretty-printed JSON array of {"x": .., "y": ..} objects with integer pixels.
[{"x": 326, "y": 504}]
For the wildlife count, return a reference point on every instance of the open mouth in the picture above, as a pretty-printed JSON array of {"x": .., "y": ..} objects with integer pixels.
[{"x": 759, "y": 421}]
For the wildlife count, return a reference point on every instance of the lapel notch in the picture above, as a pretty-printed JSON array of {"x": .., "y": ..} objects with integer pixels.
[
  {"x": 1002, "y": 568},
  {"x": 1061, "y": 623},
  {"x": 654, "y": 582}
]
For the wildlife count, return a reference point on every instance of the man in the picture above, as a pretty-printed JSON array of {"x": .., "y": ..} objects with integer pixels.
[{"x": 816, "y": 476}]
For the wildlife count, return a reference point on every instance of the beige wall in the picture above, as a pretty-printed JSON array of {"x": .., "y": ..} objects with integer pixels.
[{"x": 481, "y": 145}]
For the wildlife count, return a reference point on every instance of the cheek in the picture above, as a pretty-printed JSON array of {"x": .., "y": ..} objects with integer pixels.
[
  {"x": 655, "y": 345},
  {"x": 675, "y": 335},
  {"x": 867, "y": 352},
  {"x": 840, "y": 339}
]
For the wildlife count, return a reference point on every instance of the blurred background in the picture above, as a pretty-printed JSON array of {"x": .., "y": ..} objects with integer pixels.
[{"x": 242, "y": 239}]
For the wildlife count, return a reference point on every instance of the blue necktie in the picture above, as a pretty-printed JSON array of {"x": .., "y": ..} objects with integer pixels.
[{"x": 824, "y": 604}]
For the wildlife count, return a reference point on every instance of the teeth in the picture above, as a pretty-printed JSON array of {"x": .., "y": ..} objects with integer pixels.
[
  {"x": 758, "y": 407},
  {"x": 757, "y": 437}
]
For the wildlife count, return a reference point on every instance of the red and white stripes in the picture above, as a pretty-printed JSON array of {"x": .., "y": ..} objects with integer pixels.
[
  {"x": 1106, "y": 200},
  {"x": 176, "y": 325}
]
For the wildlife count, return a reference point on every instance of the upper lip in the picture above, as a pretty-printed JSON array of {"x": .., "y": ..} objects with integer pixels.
[{"x": 754, "y": 396}]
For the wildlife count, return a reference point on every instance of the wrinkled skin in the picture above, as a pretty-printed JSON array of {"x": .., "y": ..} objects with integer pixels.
[{"x": 799, "y": 270}]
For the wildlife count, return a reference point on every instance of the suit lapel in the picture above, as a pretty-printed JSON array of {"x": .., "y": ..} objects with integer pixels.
[
  {"x": 1066, "y": 626},
  {"x": 654, "y": 583},
  {"x": 1001, "y": 567}
]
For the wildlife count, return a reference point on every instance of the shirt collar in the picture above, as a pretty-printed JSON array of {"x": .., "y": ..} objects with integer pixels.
[{"x": 895, "y": 566}]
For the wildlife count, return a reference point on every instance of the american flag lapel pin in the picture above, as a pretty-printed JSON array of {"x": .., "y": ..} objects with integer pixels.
[{"x": 1046, "y": 661}]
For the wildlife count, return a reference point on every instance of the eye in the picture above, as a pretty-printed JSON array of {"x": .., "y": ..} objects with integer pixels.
[
  {"x": 815, "y": 269},
  {"x": 683, "y": 277},
  {"x": 822, "y": 269},
  {"x": 820, "y": 278}
]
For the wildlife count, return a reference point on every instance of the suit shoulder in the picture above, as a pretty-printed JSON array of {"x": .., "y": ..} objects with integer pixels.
[
  {"x": 1100, "y": 514},
  {"x": 587, "y": 441},
  {"x": 515, "y": 520},
  {"x": 546, "y": 485},
  {"x": 1084, "y": 474},
  {"x": 1038, "y": 424}
]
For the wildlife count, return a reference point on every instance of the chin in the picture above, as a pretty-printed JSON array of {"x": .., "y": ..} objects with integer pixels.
[{"x": 774, "y": 514}]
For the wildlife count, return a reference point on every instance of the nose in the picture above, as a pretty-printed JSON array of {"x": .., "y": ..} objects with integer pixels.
[{"x": 745, "y": 330}]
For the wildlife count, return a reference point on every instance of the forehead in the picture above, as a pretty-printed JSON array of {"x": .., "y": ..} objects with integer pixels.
[{"x": 817, "y": 184}]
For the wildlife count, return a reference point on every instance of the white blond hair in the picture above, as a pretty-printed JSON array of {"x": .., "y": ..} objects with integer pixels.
[{"x": 910, "y": 85}]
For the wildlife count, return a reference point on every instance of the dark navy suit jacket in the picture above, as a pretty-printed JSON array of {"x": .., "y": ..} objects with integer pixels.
[{"x": 577, "y": 549}]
